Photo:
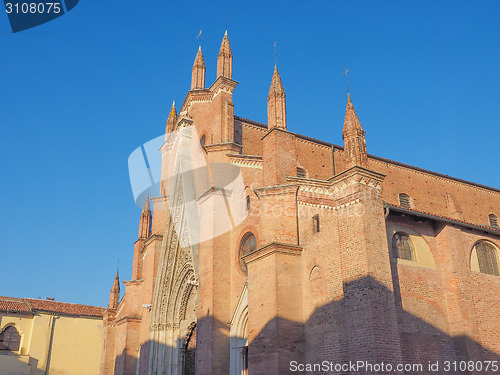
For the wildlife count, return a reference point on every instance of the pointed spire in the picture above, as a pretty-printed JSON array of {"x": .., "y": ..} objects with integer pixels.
[
  {"x": 354, "y": 138},
  {"x": 199, "y": 60},
  {"x": 276, "y": 84},
  {"x": 276, "y": 102},
  {"x": 114, "y": 296},
  {"x": 225, "y": 59},
  {"x": 351, "y": 120},
  {"x": 147, "y": 206},
  {"x": 198, "y": 72},
  {"x": 145, "y": 221},
  {"x": 172, "y": 117}
]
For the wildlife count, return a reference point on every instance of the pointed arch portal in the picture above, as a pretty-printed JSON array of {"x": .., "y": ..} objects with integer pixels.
[{"x": 239, "y": 335}]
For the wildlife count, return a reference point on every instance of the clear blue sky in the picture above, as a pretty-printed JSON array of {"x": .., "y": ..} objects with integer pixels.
[{"x": 80, "y": 93}]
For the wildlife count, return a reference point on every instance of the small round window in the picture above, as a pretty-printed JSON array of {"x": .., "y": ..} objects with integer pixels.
[
  {"x": 247, "y": 245},
  {"x": 402, "y": 247}
]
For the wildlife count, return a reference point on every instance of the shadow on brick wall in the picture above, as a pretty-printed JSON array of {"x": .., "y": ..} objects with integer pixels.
[
  {"x": 368, "y": 324},
  {"x": 361, "y": 327}
]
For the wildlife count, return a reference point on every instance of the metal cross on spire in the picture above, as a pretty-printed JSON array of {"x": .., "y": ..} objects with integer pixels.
[
  {"x": 275, "y": 44},
  {"x": 199, "y": 35},
  {"x": 346, "y": 82}
]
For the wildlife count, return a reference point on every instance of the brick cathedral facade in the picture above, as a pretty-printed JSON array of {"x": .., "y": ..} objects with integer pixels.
[{"x": 342, "y": 256}]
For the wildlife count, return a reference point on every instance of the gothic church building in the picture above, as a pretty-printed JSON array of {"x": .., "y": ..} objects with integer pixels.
[{"x": 342, "y": 256}]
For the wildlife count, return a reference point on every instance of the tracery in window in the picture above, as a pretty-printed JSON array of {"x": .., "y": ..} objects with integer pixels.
[
  {"x": 402, "y": 247},
  {"x": 486, "y": 254},
  {"x": 409, "y": 247}
]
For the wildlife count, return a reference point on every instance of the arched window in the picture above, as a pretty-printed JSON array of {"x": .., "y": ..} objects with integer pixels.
[
  {"x": 404, "y": 200},
  {"x": 484, "y": 257},
  {"x": 408, "y": 247},
  {"x": 402, "y": 247},
  {"x": 203, "y": 139},
  {"x": 247, "y": 245},
  {"x": 10, "y": 339},
  {"x": 493, "y": 220}
]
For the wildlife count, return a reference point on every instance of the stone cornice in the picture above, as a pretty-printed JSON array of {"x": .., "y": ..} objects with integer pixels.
[
  {"x": 184, "y": 121},
  {"x": 277, "y": 190},
  {"x": 330, "y": 187},
  {"x": 255, "y": 157},
  {"x": 357, "y": 176},
  {"x": 150, "y": 239},
  {"x": 213, "y": 191},
  {"x": 197, "y": 96},
  {"x": 329, "y": 205},
  {"x": 248, "y": 161},
  {"x": 228, "y": 147},
  {"x": 307, "y": 181},
  {"x": 273, "y": 248},
  {"x": 132, "y": 282},
  {"x": 221, "y": 83},
  {"x": 357, "y": 171},
  {"x": 159, "y": 199},
  {"x": 128, "y": 319}
]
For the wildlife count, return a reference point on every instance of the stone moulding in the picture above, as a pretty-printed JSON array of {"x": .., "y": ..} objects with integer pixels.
[{"x": 273, "y": 248}]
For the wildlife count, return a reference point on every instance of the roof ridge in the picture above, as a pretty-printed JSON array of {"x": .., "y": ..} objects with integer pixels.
[
  {"x": 261, "y": 124},
  {"x": 11, "y": 299},
  {"x": 49, "y": 300},
  {"x": 68, "y": 303}
]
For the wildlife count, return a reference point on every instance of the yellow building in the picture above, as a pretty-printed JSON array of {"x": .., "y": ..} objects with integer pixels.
[{"x": 39, "y": 337}]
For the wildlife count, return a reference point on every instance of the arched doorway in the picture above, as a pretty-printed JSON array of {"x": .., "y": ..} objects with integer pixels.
[
  {"x": 239, "y": 336},
  {"x": 189, "y": 360}
]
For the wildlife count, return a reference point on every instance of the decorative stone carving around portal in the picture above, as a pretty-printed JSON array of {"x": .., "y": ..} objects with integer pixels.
[{"x": 239, "y": 335}]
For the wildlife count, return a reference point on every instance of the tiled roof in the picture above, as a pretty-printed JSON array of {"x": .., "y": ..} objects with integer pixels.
[
  {"x": 11, "y": 304},
  {"x": 64, "y": 308},
  {"x": 435, "y": 216}
]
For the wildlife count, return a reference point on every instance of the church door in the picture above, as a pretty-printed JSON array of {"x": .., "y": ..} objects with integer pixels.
[{"x": 190, "y": 354}]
